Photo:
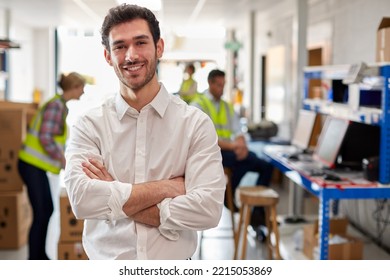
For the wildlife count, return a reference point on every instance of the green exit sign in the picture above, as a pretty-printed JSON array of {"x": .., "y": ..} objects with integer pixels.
[{"x": 233, "y": 45}]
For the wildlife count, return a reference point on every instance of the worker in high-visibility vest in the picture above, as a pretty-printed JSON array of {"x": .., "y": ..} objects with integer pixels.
[
  {"x": 189, "y": 87},
  {"x": 43, "y": 151},
  {"x": 232, "y": 141}
]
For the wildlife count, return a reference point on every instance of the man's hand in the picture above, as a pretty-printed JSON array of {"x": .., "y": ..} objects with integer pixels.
[
  {"x": 94, "y": 169},
  {"x": 241, "y": 152},
  {"x": 175, "y": 187},
  {"x": 145, "y": 195},
  {"x": 240, "y": 148}
]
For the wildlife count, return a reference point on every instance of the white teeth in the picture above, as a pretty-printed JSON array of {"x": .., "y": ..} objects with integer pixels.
[{"x": 133, "y": 68}]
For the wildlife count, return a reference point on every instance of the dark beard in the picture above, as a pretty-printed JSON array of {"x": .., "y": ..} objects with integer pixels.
[{"x": 148, "y": 78}]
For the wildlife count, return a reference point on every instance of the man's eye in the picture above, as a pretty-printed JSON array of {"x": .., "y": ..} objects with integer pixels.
[{"x": 119, "y": 47}]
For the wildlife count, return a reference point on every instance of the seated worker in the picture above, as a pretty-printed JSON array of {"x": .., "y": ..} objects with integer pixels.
[
  {"x": 189, "y": 87},
  {"x": 234, "y": 149}
]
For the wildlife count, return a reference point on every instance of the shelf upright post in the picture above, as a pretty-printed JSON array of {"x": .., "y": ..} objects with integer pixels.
[
  {"x": 306, "y": 82},
  {"x": 4, "y": 74},
  {"x": 384, "y": 157},
  {"x": 323, "y": 224}
]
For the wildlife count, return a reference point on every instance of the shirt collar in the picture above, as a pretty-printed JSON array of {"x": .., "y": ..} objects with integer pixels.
[
  {"x": 121, "y": 105},
  {"x": 159, "y": 103},
  {"x": 211, "y": 97}
]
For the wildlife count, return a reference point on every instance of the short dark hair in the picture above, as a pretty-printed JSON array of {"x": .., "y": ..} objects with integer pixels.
[
  {"x": 215, "y": 73},
  {"x": 127, "y": 12}
]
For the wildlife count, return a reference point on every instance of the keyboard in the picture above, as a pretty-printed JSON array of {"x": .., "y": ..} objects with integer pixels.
[
  {"x": 312, "y": 167},
  {"x": 307, "y": 165},
  {"x": 298, "y": 155},
  {"x": 315, "y": 172},
  {"x": 326, "y": 174}
]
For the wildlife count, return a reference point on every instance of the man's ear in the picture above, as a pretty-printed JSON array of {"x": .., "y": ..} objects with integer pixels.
[
  {"x": 107, "y": 56},
  {"x": 160, "y": 48}
]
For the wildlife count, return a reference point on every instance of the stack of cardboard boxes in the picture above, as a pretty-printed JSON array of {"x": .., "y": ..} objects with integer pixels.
[
  {"x": 15, "y": 209},
  {"x": 70, "y": 246}
]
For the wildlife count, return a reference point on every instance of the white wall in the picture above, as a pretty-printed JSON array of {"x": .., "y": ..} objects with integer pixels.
[
  {"x": 21, "y": 65},
  {"x": 44, "y": 68},
  {"x": 274, "y": 29},
  {"x": 32, "y": 65},
  {"x": 346, "y": 30},
  {"x": 354, "y": 27}
]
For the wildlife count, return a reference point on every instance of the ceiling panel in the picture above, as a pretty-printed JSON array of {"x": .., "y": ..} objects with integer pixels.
[{"x": 90, "y": 13}]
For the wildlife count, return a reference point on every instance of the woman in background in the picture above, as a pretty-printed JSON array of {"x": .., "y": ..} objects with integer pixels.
[
  {"x": 43, "y": 151},
  {"x": 189, "y": 87}
]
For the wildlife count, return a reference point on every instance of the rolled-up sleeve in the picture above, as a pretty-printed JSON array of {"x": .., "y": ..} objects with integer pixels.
[
  {"x": 201, "y": 207},
  {"x": 91, "y": 198}
]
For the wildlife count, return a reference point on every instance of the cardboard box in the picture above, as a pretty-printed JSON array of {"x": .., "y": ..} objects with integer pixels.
[
  {"x": 29, "y": 108},
  {"x": 383, "y": 41},
  {"x": 71, "y": 228},
  {"x": 13, "y": 127},
  {"x": 71, "y": 251},
  {"x": 15, "y": 219},
  {"x": 18, "y": 105},
  {"x": 351, "y": 250}
]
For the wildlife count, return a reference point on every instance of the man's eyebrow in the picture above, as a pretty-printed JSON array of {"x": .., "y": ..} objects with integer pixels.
[
  {"x": 139, "y": 37},
  {"x": 117, "y": 42}
]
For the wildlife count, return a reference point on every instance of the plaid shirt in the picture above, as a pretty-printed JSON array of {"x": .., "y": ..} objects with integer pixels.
[{"x": 53, "y": 123}]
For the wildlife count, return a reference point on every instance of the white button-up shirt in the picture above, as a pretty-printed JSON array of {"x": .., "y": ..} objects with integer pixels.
[{"x": 166, "y": 139}]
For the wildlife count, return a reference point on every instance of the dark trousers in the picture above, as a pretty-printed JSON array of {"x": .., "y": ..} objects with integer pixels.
[
  {"x": 251, "y": 163},
  {"x": 39, "y": 193},
  {"x": 240, "y": 168}
]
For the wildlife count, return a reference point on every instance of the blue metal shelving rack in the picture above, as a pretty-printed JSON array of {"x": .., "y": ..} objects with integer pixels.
[
  {"x": 384, "y": 159},
  {"x": 380, "y": 117},
  {"x": 327, "y": 194}
]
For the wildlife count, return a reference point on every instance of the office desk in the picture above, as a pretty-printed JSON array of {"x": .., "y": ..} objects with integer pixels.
[{"x": 356, "y": 188}]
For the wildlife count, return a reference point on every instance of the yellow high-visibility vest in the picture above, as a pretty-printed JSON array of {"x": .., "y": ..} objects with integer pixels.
[
  {"x": 188, "y": 90},
  {"x": 222, "y": 119},
  {"x": 32, "y": 150}
]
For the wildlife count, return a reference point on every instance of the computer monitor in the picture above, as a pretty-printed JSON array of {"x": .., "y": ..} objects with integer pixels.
[
  {"x": 344, "y": 144},
  {"x": 330, "y": 141},
  {"x": 360, "y": 141},
  {"x": 304, "y": 129}
]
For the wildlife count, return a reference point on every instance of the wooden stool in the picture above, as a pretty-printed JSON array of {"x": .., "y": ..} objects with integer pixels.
[
  {"x": 230, "y": 205},
  {"x": 230, "y": 197},
  {"x": 258, "y": 196}
]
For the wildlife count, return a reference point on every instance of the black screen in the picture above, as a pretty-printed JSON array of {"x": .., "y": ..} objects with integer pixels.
[{"x": 360, "y": 141}]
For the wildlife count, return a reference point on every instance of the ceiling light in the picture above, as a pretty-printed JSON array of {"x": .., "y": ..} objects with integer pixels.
[
  {"x": 153, "y": 5},
  {"x": 201, "y": 32}
]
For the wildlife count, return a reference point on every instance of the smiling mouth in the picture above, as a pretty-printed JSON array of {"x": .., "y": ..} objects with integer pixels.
[{"x": 133, "y": 68}]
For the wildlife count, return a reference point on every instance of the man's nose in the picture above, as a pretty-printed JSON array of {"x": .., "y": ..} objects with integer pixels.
[{"x": 131, "y": 54}]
